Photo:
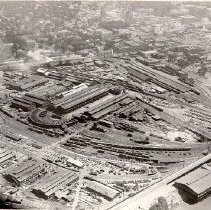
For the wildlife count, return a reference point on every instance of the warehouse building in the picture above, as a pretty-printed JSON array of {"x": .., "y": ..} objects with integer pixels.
[
  {"x": 42, "y": 71},
  {"x": 68, "y": 97},
  {"x": 48, "y": 187},
  {"x": 5, "y": 155},
  {"x": 27, "y": 101},
  {"x": 102, "y": 189},
  {"x": 196, "y": 183},
  {"x": 20, "y": 103},
  {"x": 74, "y": 162},
  {"x": 47, "y": 91},
  {"x": 74, "y": 89},
  {"x": 107, "y": 106},
  {"x": 77, "y": 100},
  {"x": 38, "y": 97},
  {"x": 55, "y": 75},
  {"x": 20, "y": 173},
  {"x": 13, "y": 136},
  {"x": 139, "y": 72},
  {"x": 28, "y": 83}
]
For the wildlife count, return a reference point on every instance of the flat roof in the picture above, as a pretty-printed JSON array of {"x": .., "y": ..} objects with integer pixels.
[
  {"x": 102, "y": 188},
  {"x": 75, "y": 162}
]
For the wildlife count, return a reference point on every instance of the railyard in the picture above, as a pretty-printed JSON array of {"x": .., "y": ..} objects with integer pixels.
[
  {"x": 127, "y": 138},
  {"x": 105, "y": 105}
]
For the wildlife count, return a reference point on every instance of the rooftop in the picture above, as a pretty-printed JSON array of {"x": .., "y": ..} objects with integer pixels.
[{"x": 198, "y": 180}]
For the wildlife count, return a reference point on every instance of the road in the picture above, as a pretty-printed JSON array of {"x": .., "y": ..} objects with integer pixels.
[
  {"x": 141, "y": 198},
  {"x": 83, "y": 173}
]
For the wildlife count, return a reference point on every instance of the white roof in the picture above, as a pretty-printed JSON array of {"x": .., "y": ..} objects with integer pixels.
[
  {"x": 42, "y": 70},
  {"x": 75, "y": 162},
  {"x": 101, "y": 188}
]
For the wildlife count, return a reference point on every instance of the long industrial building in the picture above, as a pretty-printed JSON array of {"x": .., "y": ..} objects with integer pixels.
[
  {"x": 140, "y": 72},
  {"x": 51, "y": 184},
  {"x": 37, "y": 97},
  {"x": 48, "y": 91},
  {"x": 28, "y": 83},
  {"x": 22, "y": 172},
  {"x": 74, "y": 95},
  {"x": 102, "y": 189},
  {"x": 76, "y": 100},
  {"x": 110, "y": 105},
  {"x": 196, "y": 183},
  {"x": 27, "y": 101},
  {"x": 5, "y": 155}
]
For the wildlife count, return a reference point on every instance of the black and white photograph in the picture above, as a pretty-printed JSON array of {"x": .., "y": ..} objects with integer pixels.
[{"x": 105, "y": 105}]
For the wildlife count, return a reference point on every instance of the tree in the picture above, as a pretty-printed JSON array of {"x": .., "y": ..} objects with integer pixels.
[
  {"x": 160, "y": 205},
  {"x": 156, "y": 206},
  {"x": 163, "y": 202},
  {"x": 19, "y": 41}
]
